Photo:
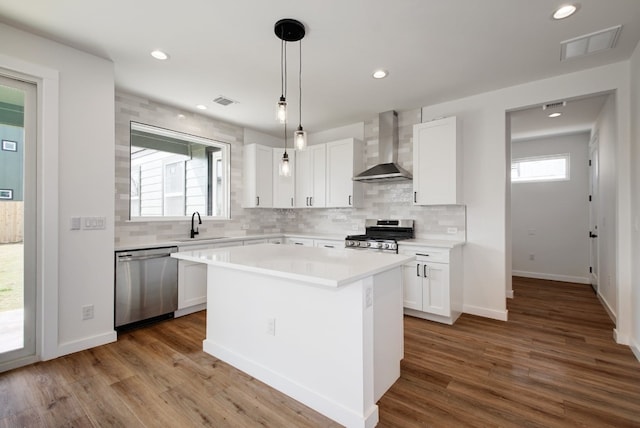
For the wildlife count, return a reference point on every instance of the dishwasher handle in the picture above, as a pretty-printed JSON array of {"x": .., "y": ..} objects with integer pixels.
[{"x": 129, "y": 258}]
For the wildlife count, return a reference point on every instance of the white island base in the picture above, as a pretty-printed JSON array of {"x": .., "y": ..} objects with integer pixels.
[{"x": 322, "y": 326}]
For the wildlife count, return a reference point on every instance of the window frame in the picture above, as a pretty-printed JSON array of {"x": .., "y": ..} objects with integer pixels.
[{"x": 564, "y": 156}]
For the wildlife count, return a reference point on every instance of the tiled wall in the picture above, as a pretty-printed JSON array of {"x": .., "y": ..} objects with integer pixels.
[{"x": 382, "y": 200}]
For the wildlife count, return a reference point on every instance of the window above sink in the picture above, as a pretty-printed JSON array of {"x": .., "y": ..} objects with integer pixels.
[{"x": 174, "y": 174}]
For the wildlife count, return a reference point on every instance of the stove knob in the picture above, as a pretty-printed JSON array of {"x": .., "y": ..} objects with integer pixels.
[
  {"x": 385, "y": 246},
  {"x": 349, "y": 243}
]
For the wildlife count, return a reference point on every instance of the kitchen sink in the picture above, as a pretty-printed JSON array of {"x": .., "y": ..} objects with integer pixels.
[{"x": 203, "y": 238}]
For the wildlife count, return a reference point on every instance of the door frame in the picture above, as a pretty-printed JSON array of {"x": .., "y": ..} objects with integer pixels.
[
  {"x": 29, "y": 199},
  {"x": 47, "y": 205},
  {"x": 594, "y": 205}
]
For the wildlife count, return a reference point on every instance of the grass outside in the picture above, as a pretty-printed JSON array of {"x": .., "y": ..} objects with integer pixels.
[{"x": 11, "y": 279}]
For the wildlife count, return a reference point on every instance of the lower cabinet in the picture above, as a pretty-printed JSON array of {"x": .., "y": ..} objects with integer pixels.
[
  {"x": 433, "y": 283},
  {"x": 192, "y": 280},
  {"x": 328, "y": 243},
  {"x": 298, "y": 241}
]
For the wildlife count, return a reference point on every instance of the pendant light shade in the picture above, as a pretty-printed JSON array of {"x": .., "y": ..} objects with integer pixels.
[
  {"x": 281, "y": 110},
  {"x": 300, "y": 138},
  {"x": 285, "y": 167}
]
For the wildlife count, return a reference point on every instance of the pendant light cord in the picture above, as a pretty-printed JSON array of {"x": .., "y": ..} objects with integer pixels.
[
  {"x": 300, "y": 87},
  {"x": 283, "y": 68}
]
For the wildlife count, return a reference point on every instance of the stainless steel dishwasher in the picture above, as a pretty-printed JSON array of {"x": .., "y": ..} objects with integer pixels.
[{"x": 146, "y": 285}]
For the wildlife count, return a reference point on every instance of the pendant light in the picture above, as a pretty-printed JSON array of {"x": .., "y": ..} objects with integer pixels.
[
  {"x": 300, "y": 136},
  {"x": 285, "y": 167},
  {"x": 281, "y": 107},
  {"x": 288, "y": 30}
]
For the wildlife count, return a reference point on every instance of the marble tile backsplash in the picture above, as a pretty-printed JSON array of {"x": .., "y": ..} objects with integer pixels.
[{"x": 382, "y": 200}]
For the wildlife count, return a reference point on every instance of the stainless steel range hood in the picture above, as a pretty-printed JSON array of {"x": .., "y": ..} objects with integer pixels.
[{"x": 387, "y": 168}]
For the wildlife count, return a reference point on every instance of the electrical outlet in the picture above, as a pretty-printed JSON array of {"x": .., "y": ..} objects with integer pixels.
[
  {"x": 271, "y": 326},
  {"x": 452, "y": 230},
  {"x": 369, "y": 297},
  {"x": 532, "y": 257},
  {"x": 87, "y": 312},
  {"x": 76, "y": 223}
]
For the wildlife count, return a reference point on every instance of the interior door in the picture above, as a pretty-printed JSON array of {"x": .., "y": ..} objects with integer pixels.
[
  {"x": 593, "y": 213},
  {"x": 17, "y": 222}
]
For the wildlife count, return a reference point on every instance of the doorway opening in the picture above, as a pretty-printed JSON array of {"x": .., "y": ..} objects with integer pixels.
[{"x": 558, "y": 201}]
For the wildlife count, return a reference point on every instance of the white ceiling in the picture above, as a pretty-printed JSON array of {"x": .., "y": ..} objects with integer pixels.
[{"x": 435, "y": 50}]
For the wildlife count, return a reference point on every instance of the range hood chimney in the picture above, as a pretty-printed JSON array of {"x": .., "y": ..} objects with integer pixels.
[{"x": 387, "y": 168}]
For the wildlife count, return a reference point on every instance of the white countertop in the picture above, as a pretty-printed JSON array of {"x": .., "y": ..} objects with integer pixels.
[
  {"x": 418, "y": 242},
  {"x": 320, "y": 266}
]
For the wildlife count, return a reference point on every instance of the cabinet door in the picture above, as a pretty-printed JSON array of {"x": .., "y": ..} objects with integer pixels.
[
  {"x": 310, "y": 177},
  {"x": 435, "y": 293},
  {"x": 412, "y": 285},
  {"x": 254, "y": 242},
  {"x": 437, "y": 170},
  {"x": 192, "y": 283},
  {"x": 343, "y": 158},
  {"x": 303, "y": 176},
  {"x": 283, "y": 187},
  {"x": 258, "y": 176},
  {"x": 318, "y": 165}
]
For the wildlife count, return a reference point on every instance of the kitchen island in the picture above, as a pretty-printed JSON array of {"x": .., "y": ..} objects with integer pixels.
[{"x": 323, "y": 326}]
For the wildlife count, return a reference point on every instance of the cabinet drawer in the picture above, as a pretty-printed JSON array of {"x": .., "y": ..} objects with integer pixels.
[
  {"x": 423, "y": 254},
  {"x": 325, "y": 243}
]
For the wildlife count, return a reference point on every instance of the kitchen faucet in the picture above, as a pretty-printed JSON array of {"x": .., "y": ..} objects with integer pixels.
[{"x": 195, "y": 231}]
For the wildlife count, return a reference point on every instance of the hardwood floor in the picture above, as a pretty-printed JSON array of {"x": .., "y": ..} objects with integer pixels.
[{"x": 554, "y": 364}]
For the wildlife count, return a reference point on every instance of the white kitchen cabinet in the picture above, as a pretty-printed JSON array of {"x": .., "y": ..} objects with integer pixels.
[
  {"x": 258, "y": 176},
  {"x": 299, "y": 241},
  {"x": 283, "y": 187},
  {"x": 328, "y": 243},
  {"x": 433, "y": 283},
  {"x": 276, "y": 241},
  {"x": 311, "y": 177},
  {"x": 192, "y": 280},
  {"x": 345, "y": 158},
  {"x": 437, "y": 163}
]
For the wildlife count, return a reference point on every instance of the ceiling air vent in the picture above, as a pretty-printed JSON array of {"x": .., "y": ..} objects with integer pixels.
[
  {"x": 224, "y": 101},
  {"x": 590, "y": 43},
  {"x": 554, "y": 105}
]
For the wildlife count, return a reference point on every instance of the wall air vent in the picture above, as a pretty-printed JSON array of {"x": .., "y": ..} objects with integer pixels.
[
  {"x": 590, "y": 43},
  {"x": 224, "y": 101}
]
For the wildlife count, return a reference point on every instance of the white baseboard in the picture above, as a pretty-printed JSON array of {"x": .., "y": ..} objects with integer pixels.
[
  {"x": 86, "y": 343},
  {"x": 486, "y": 312},
  {"x": 607, "y": 308},
  {"x": 290, "y": 387},
  {"x": 190, "y": 310},
  {"x": 635, "y": 348},
  {"x": 552, "y": 277}
]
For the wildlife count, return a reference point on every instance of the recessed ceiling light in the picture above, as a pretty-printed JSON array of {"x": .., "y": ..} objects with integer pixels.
[
  {"x": 565, "y": 11},
  {"x": 555, "y": 114},
  {"x": 380, "y": 74},
  {"x": 201, "y": 107},
  {"x": 157, "y": 54}
]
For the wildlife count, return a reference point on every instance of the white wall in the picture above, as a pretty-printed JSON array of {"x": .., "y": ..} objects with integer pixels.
[
  {"x": 606, "y": 131},
  {"x": 550, "y": 219},
  {"x": 84, "y": 163},
  {"x": 635, "y": 208},
  {"x": 486, "y": 192}
]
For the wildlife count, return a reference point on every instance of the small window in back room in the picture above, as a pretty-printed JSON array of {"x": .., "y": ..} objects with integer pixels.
[{"x": 540, "y": 168}]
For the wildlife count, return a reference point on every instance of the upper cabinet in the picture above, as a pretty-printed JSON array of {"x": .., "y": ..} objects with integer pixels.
[
  {"x": 311, "y": 177},
  {"x": 258, "y": 176},
  {"x": 437, "y": 163},
  {"x": 345, "y": 158},
  {"x": 283, "y": 187}
]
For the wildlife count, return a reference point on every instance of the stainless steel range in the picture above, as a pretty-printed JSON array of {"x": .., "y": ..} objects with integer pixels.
[{"x": 381, "y": 235}]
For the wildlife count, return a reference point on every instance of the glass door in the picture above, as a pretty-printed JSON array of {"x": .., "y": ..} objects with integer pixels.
[{"x": 17, "y": 221}]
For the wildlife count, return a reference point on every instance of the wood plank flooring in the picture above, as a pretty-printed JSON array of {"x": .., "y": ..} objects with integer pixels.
[{"x": 553, "y": 364}]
